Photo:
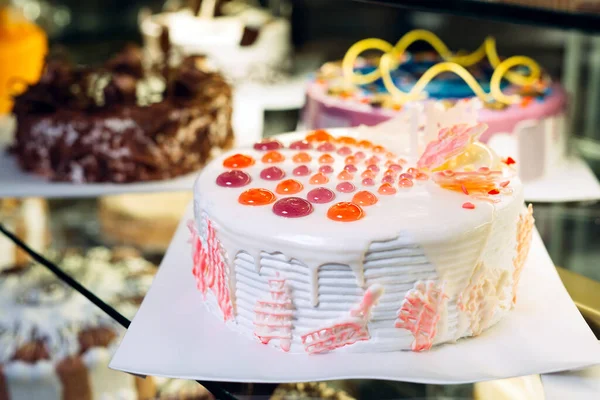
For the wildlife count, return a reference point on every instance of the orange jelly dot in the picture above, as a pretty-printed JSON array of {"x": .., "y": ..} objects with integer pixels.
[
  {"x": 319, "y": 136},
  {"x": 301, "y": 157},
  {"x": 238, "y": 161},
  {"x": 365, "y": 144},
  {"x": 390, "y": 155},
  {"x": 326, "y": 159},
  {"x": 364, "y": 198},
  {"x": 345, "y": 176},
  {"x": 273, "y": 157},
  {"x": 318, "y": 179},
  {"x": 345, "y": 212},
  {"x": 289, "y": 186},
  {"x": 256, "y": 197},
  {"x": 368, "y": 174},
  {"x": 350, "y": 160},
  {"x": 386, "y": 189},
  {"x": 346, "y": 140},
  {"x": 378, "y": 149}
]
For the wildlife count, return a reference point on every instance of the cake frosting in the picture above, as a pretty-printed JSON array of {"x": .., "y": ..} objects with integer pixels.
[
  {"x": 524, "y": 110},
  {"x": 55, "y": 344},
  {"x": 342, "y": 241},
  {"x": 247, "y": 43}
]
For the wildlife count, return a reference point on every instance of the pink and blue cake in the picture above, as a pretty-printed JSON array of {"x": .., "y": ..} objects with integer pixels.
[
  {"x": 523, "y": 108},
  {"x": 355, "y": 240}
]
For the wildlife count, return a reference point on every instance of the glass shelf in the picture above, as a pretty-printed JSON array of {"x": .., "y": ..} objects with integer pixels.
[{"x": 582, "y": 15}]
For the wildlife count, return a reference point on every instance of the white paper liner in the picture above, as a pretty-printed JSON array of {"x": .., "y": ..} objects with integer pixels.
[{"x": 174, "y": 335}]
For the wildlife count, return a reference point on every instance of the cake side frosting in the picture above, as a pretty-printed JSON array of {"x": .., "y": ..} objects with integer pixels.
[{"x": 408, "y": 235}]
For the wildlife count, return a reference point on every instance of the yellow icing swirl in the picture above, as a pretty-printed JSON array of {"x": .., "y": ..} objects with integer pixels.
[{"x": 453, "y": 63}]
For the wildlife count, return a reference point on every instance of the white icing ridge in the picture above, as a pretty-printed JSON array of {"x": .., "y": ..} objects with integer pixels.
[{"x": 419, "y": 234}]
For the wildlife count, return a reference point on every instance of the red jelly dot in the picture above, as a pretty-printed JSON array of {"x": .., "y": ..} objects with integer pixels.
[
  {"x": 373, "y": 167},
  {"x": 318, "y": 179},
  {"x": 345, "y": 212},
  {"x": 344, "y": 151},
  {"x": 326, "y": 147},
  {"x": 292, "y": 207},
  {"x": 345, "y": 187},
  {"x": 302, "y": 170},
  {"x": 268, "y": 144},
  {"x": 468, "y": 206},
  {"x": 387, "y": 179},
  {"x": 326, "y": 169},
  {"x": 326, "y": 159},
  {"x": 301, "y": 145},
  {"x": 238, "y": 161},
  {"x": 494, "y": 192},
  {"x": 320, "y": 195},
  {"x": 394, "y": 167},
  {"x": 256, "y": 197},
  {"x": 272, "y": 174},
  {"x": 359, "y": 155},
  {"x": 350, "y": 168},
  {"x": 386, "y": 189},
  {"x": 345, "y": 176},
  {"x": 319, "y": 135},
  {"x": 234, "y": 178},
  {"x": 406, "y": 176},
  {"x": 368, "y": 174},
  {"x": 273, "y": 157},
  {"x": 289, "y": 186},
  {"x": 301, "y": 157},
  {"x": 368, "y": 182},
  {"x": 364, "y": 198},
  {"x": 510, "y": 161},
  {"x": 405, "y": 183},
  {"x": 346, "y": 140}
]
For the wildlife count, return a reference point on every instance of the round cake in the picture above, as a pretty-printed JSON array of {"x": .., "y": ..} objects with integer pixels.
[
  {"x": 247, "y": 43},
  {"x": 54, "y": 343},
  {"x": 353, "y": 241},
  {"x": 524, "y": 110}
]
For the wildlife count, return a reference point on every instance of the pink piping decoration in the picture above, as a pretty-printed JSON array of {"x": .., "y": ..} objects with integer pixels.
[
  {"x": 524, "y": 232},
  {"x": 273, "y": 317},
  {"x": 450, "y": 142}
]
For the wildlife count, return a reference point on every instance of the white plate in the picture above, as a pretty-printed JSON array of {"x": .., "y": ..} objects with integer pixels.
[{"x": 174, "y": 335}]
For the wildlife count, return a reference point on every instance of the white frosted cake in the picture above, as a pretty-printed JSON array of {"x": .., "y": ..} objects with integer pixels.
[
  {"x": 327, "y": 241},
  {"x": 247, "y": 43}
]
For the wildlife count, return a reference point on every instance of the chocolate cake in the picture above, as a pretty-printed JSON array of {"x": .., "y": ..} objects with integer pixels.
[{"x": 122, "y": 122}]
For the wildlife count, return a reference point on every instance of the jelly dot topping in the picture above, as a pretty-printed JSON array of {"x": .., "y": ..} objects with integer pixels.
[
  {"x": 319, "y": 136},
  {"x": 301, "y": 157},
  {"x": 302, "y": 170},
  {"x": 394, "y": 167},
  {"x": 422, "y": 176},
  {"x": 359, "y": 155},
  {"x": 350, "y": 168},
  {"x": 365, "y": 144},
  {"x": 412, "y": 171},
  {"x": 364, "y": 198},
  {"x": 345, "y": 187},
  {"x": 238, "y": 161},
  {"x": 292, "y": 207},
  {"x": 234, "y": 178},
  {"x": 390, "y": 155},
  {"x": 273, "y": 157},
  {"x": 368, "y": 174},
  {"x": 346, "y": 140},
  {"x": 402, "y": 161},
  {"x": 405, "y": 183},
  {"x": 378, "y": 149},
  {"x": 345, "y": 212},
  {"x": 326, "y": 169},
  {"x": 326, "y": 147},
  {"x": 268, "y": 144},
  {"x": 318, "y": 179},
  {"x": 350, "y": 160},
  {"x": 345, "y": 176},
  {"x": 372, "y": 160},
  {"x": 300, "y": 145},
  {"x": 256, "y": 197},
  {"x": 468, "y": 206},
  {"x": 373, "y": 167},
  {"x": 390, "y": 172},
  {"x": 289, "y": 186},
  {"x": 387, "y": 179},
  {"x": 344, "y": 151},
  {"x": 320, "y": 195},
  {"x": 406, "y": 176},
  {"x": 272, "y": 174},
  {"x": 326, "y": 159},
  {"x": 368, "y": 182},
  {"x": 386, "y": 189}
]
